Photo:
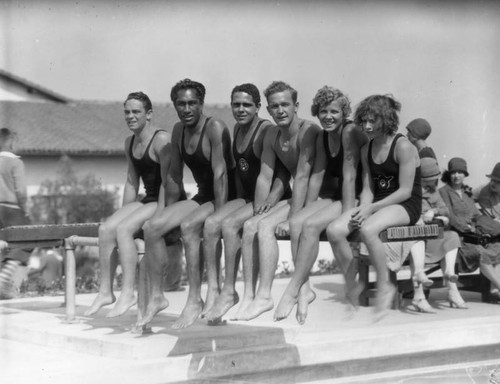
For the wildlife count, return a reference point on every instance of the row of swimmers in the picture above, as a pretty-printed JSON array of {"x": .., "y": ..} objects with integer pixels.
[{"x": 348, "y": 175}]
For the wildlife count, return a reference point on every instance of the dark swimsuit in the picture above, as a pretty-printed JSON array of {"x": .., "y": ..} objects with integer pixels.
[
  {"x": 385, "y": 178},
  {"x": 201, "y": 168},
  {"x": 248, "y": 167},
  {"x": 334, "y": 177},
  {"x": 149, "y": 171}
]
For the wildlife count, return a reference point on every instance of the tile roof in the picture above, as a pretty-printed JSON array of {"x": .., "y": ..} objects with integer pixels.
[{"x": 81, "y": 127}]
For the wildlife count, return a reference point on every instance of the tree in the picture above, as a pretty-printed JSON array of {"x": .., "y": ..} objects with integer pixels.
[{"x": 68, "y": 199}]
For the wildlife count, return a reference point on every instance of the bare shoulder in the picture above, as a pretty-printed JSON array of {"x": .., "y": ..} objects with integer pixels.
[
  {"x": 309, "y": 132},
  {"x": 271, "y": 133},
  {"x": 215, "y": 124},
  {"x": 162, "y": 139},
  {"x": 354, "y": 135},
  {"x": 405, "y": 149}
]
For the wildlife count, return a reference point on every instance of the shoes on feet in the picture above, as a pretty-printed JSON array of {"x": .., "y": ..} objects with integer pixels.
[
  {"x": 422, "y": 305},
  {"x": 456, "y": 300}
]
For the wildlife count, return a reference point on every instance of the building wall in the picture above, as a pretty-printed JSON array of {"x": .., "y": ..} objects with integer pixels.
[
  {"x": 13, "y": 91},
  {"x": 110, "y": 170}
]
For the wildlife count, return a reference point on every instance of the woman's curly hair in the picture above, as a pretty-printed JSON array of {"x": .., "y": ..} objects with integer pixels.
[
  {"x": 384, "y": 106},
  {"x": 326, "y": 95}
]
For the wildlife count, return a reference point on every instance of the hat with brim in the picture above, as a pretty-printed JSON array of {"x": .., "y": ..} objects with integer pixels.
[
  {"x": 495, "y": 174},
  {"x": 429, "y": 169},
  {"x": 457, "y": 164}
]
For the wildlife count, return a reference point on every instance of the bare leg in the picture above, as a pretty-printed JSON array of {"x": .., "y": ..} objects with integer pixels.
[
  {"x": 317, "y": 216},
  {"x": 191, "y": 229},
  {"x": 337, "y": 233},
  {"x": 108, "y": 257},
  {"x": 231, "y": 232},
  {"x": 128, "y": 256},
  {"x": 418, "y": 259},
  {"x": 212, "y": 233},
  {"x": 376, "y": 223},
  {"x": 268, "y": 260},
  {"x": 154, "y": 229},
  {"x": 417, "y": 263}
]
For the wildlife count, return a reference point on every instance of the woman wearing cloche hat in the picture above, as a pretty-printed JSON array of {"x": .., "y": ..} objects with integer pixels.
[
  {"x": 439, "y": 250},
  {"x": 463, "y": 212}
]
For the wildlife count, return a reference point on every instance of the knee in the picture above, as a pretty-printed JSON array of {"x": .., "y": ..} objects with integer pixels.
[
  {"x": 107, "y": 231},
  {"x": 229, "y": 227},
  {"x": 249, "y": 228},
  {"x": 368, "y": 233},
  {"x": 212, "y": 228},
  {"x": 124, "y": 231},
  {"x": 265, "y": 230},
  {"x": 152, "y": 229},
  {"x": 296, "y": 226},
  {"x": 335, "y": 232},
  {"x": 311, "y": 228},
  {"x": 189, "y": 229}
]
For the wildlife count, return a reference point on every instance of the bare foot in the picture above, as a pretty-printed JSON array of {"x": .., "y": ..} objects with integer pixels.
[
  {"x": 306, "y": 297},
  {"x": 189, "y": 314},
  {"x": 155, "y": 305},
  {"x": 224, "y": 303},
  {"x": 383, "y": 301},
  {"x": 284, "y": 307},
  {"x": 352, "y": 295},
  {"x": 243, "y": 306},
  {"x": 122, "y": 305},
  {"x": 257, "y": 307},
  {"x": 212, "y": 296},
  {"x": 99, "y": 302}
]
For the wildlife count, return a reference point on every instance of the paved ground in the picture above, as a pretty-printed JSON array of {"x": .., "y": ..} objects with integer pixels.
[{"x": 39, "y": 347}]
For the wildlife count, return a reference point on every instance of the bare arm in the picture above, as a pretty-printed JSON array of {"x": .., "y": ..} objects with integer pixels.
[
  {"x": 267, "y": 165},
  {"x": 304, "y": 168},
  {"x": 318, "y": 172},
  {"x": 366, "y": 196},
  {"x": 20, "y": 188},
  {"x": 132, "y": 182},
  {"x": 162, "y": 149},
  {"x": 219, "y": 138},
  {"x": 173, "y": 184},
  {"x": 352, "y": 141}
]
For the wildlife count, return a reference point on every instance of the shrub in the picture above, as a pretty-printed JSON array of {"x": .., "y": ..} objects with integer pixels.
[{"x": 70, "y": 199}]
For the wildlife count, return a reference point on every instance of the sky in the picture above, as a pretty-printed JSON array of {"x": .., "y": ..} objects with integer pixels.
[{"x": 440, "y": 59}]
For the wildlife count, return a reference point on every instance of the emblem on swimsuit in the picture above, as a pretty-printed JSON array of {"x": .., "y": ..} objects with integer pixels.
[
  {"x": 384, "y": 182},
  {"x": 242, "y": 163}
]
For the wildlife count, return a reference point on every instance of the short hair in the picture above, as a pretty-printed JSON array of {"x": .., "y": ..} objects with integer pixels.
[
  {"x": 6, "y": 133},
  {"x": 249, "y": 88},
  {"x": 326, "y": 95},
  {"x": 384, "y": 106},
  {"x": 142, "y": 97},
  {"x": 199, "y": 88},
  {"x": 280, "y": 86}
]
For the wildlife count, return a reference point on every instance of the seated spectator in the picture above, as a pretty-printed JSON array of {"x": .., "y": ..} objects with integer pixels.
[
  {"x": 488, "y": 196},
  {"x": 418, "y": 131},
  {"x": 463, "y": 213},
  {"x": 437, "y": 250}
]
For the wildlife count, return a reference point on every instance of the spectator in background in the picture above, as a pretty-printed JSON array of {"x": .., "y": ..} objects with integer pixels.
[
  {"x": 13, "y": 205},
  {"x": 488, "y": 196},
  {"x": 463, "y": 217},
  {"x": 418, "y": 131}
]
